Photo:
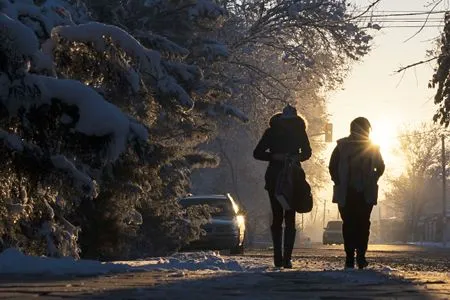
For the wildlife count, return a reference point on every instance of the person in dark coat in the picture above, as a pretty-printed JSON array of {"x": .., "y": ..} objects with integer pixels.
[
  {"x": 355, "y": 166},
  {"x": 286, "y": 136}
]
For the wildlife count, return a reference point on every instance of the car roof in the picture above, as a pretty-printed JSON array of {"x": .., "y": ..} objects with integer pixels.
[
  {"x": 209, "y": 197},
  {"x": 334, "y": 222}
]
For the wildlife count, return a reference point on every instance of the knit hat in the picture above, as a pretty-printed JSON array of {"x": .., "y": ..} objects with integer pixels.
[{"x": 289, "y": 112}]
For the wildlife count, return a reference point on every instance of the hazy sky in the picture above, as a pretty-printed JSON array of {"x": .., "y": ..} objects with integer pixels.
[{"x": 374, "y": 90}]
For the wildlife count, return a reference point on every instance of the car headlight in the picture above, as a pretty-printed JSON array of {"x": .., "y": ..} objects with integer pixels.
[{"x": 240, "y": 220}]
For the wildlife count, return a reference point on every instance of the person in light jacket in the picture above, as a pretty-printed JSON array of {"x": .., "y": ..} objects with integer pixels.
[
  {"x": 286, "y": 136},
  {"x": 355, "y": 166}
]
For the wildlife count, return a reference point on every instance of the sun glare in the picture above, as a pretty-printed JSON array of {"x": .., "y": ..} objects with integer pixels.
[{"x": 382, "y": 135}]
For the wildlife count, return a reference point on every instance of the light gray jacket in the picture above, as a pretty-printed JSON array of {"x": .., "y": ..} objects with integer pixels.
[{"x": 357, "y": 164}]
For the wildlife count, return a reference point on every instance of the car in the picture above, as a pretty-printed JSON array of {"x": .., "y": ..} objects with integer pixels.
[
  {"x": 333, "y": 233},
  {"x": 225, "y": 229}
]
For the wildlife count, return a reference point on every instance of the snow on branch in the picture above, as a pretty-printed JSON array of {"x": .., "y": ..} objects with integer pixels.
[
  {"x": 183, "y": 72},
  {"x": 97, "y": 117},
  {"x": 11, "y": 141},
  {"x": 81, "y": 179},
  {"x": 214, "y": 109},
  {"x": 212, "y": 50},
  {"x": 93, "y": 32},
  {"x": 162, "y": 44},
  {"x": 41, "y": 18},
  {"x": 146, "y": 60},
  {"x": 206, "y": 9},
  {"x": 20, "y": 45},
  {"x": 232, "y": 111},
  {"x": 17, "y": 39}
]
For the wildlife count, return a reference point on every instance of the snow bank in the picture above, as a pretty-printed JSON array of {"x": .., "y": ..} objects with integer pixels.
[
  {"x": 12, "y": 261},
  {"x": 430, "y": 244},
  {"x": 188, "y": 261}
]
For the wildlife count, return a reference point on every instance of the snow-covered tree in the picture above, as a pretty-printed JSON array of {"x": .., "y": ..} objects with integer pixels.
[
  {"x": 97, "y": 124},
  {"x": 418, "y": 189},
  {"x": 440, "y": 78}
]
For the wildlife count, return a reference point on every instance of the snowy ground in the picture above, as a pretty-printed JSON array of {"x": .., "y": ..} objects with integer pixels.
[
  {"x": 317, "y": 274},
  {"x": 431, "y": 244},
  {"x": 12, "y": 261}
]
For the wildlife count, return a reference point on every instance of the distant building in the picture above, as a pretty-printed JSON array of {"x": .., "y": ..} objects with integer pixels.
[
  {"x": 430, "y": 228},
  {"x": 388, "y": 230}
]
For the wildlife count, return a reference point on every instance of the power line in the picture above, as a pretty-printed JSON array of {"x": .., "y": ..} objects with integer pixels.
[
  {"x": 404, "y": 11},
  {"x": 412, "y": 26},
  {"x": 406, "y": 14},
  {"x": 399, "y": 11},
  {"x": 411, "y": 23},
  {"x": 409, "y": 20}
]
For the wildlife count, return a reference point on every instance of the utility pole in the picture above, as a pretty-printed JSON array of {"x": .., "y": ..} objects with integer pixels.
[
  {"x": 444, "y": 195},
  {"x": 379, "y": 222},
  {"x": 324, "y": 212},
  {"x": 303, "y": 229}
]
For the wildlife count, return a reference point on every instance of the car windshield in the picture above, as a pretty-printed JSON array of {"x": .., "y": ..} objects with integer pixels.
[
  {"x": 224, "y": 207},
  {"x": 336, "y": 225}
]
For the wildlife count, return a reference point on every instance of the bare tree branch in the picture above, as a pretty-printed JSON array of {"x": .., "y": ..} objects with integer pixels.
[
  {"x": 372, "y": 5},
  {"x": 416, "y": 64},
  {"x": 426, "y": 20}
]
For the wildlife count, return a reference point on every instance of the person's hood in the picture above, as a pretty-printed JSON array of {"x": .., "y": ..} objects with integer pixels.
[
  {"x": 353, "y": 139},
  {"x": 351, "y": 144},
  {"x": 277, "y": 121}
]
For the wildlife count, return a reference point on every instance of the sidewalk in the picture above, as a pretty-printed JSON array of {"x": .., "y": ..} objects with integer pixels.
[{"x": 213, "y": 285}]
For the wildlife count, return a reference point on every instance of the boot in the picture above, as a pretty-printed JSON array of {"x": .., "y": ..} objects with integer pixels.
[
  {"x": 350, "y": 262},
  {"x": 289, "y": 240},
  {"x": 361, "y": 246},
  {"x": 361, "y": 259},
  {"x": 276, "y": 239},
  {"x": 349, "y": 258},
  {"x": 349, "y": 247}
]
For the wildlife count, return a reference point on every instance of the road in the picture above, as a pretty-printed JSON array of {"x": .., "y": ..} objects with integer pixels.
[
  {"x": 396, "y": 272},
  {"x": 401, "y": 257}
]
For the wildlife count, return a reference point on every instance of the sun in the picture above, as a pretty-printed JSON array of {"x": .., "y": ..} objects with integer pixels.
[{"x": 383, "y": 135}]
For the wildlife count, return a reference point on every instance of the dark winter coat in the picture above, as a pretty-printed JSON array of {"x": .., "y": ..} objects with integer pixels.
[
  {"x": 355, "y": 164},
  {"x": 284, "y": 136}
]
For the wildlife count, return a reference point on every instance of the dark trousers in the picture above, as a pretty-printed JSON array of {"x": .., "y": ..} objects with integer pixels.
[
  {"x": 279, "y": 214},
  {"x": 282, "y": 256},
  {"x": 356, "y": 224}
]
